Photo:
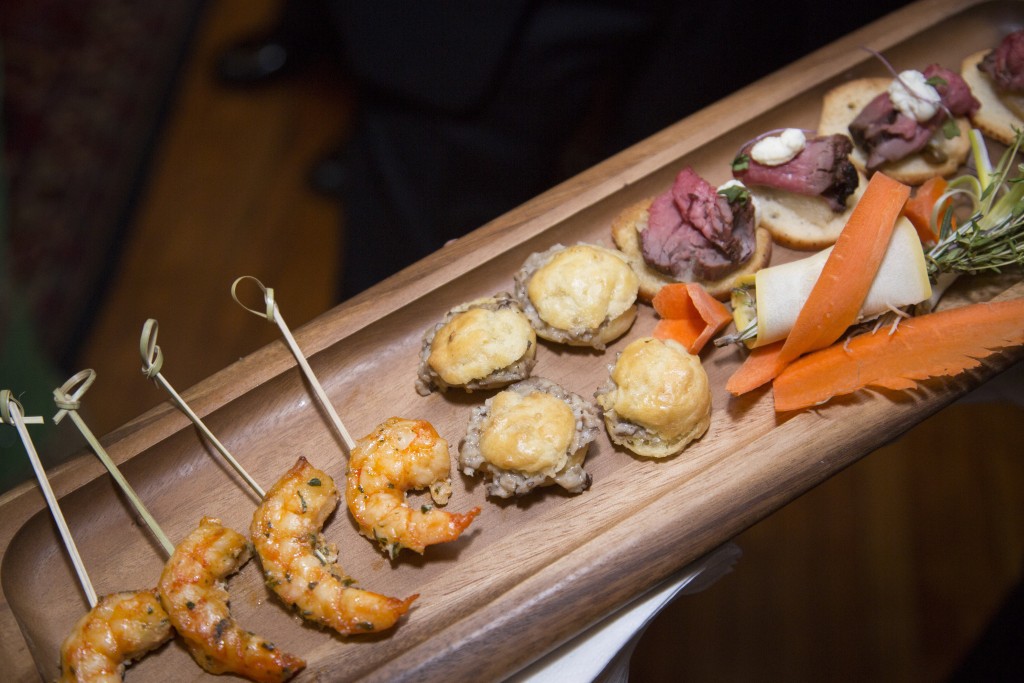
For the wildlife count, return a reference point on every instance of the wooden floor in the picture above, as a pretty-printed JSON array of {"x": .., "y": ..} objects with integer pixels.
[
  {"x": 227, "y": 198},
  {"x": 889, "y": 571}
]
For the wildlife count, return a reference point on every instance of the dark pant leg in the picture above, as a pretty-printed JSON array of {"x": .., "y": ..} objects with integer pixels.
[{"x": 422, "y": 174}]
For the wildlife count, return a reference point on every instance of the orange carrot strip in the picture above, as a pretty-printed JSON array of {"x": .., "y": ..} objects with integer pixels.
[
  {"x": 689, "y": 314},
  {"x": 757, "y": 369},
  {"x": 932, "y": 345},
  {"x": 835, "y": 300},
  {"x": 686, "y": 331},
  {"x": 918, "y": 208},
  {"x": 682, "y": 299}
]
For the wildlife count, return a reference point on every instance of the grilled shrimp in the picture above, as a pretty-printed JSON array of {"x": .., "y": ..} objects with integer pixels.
[
  {"x": 121, "y": 628},
  {"x": 397, "y": 456},
  {"x": 192, "y": 590},
  {"x": 301, "y": 566}
]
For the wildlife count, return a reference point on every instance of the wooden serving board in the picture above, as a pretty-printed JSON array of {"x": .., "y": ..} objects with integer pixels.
[{"x": 531, "y": 573}]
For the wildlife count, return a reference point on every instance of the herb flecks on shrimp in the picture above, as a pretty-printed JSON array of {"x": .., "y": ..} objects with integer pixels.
[
  {"x": 398, "y": 456},
  {"x": 121, "y": 628},
  {"x": 301, "y": 567},
  {"x": 192, "y": 590}
]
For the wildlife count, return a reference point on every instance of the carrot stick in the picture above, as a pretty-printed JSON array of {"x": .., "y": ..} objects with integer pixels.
[
  {"x": 835, "y": 300},
  {"x": 932, "y": 345},
  {"x": 757, "y": 369},
  {"x": 919, "y": 208},
  {"x": 689, "y": 315}
]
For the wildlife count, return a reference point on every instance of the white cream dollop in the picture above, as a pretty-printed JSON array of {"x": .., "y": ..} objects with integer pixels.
[
  {"x": 775, "y": 150},
  {"x": 912, "y": 96}
]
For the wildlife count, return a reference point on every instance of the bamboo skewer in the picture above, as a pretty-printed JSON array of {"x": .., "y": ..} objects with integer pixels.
[
  {"x": 11, "y": 413},
  {"x": 273, "y": 314},
  {"x": 67, "y": 398},
  {"x": 152, "y": 362},
  {"x": 68, "y": 403},
  {"x": 152, "y": 359}
]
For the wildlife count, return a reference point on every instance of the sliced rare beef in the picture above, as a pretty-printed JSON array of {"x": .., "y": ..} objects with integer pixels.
[
  {"x": 886, "y": 134},
  {"x": 822, "y": 168},
  {"x": 953, "y": 89},
  {"x": 1005, "y": 64},
  {"x": 692, "y": 231}
]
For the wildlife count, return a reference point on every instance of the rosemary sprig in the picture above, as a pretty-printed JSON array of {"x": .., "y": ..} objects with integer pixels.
[
  {"x": 972, "y": 248},
  {"x": 748, "y": 332},
  {"x": 992, "y": 238}
]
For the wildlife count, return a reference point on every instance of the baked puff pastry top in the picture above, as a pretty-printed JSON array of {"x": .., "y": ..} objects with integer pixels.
[
  {"x": 657, "y": 399},
  {"x": 583, "y": 295},
  {"x": 534, "y": 433},
  {"x": 528, "y": 433},
  {"x": 482, "y": 344}
]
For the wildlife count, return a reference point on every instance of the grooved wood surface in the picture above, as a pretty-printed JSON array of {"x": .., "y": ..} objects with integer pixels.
[{"x": 532, "y": 572}]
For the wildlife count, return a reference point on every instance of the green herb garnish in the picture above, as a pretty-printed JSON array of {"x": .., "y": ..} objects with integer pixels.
[
  {"x": 992, "y": 237},
  {"x": 735, "y": 193}
]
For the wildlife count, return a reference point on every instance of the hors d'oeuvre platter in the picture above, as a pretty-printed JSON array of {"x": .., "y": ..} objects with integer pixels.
[{"x": 560, "y": 409}]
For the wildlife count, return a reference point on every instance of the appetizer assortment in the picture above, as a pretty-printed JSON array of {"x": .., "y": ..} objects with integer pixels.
[
  {"x": 872, "y": 194},
  {"x": 866, "y": 193}
]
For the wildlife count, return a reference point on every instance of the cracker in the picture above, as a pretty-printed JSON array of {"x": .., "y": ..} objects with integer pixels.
[
  {"x": 842, "y": 104},
  {"x": 802, "y": 222},
  {"x": 999, "y": 114}
]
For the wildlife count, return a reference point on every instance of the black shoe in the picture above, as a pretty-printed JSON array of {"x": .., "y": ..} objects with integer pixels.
[{"x": 257, "y": 61}]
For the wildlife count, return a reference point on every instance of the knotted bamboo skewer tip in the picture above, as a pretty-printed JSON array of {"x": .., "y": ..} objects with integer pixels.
[
  {"x": 272, "y": 313},
  {"x": 68, "y": 400},
  {"x": 11, "y": 413},
  {"x": 152, "y": 364}
]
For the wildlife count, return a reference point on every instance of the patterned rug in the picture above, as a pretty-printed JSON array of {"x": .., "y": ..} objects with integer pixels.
[{"x": 85, "y": 85}]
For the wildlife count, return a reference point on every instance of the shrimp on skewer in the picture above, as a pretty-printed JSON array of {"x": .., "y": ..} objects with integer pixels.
[
  {"x": 301, "y": 566},
  {"x": 397, "y": 456},
  {"x": 192, "y": 590},
  {"x": 120, "y": 629}
]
